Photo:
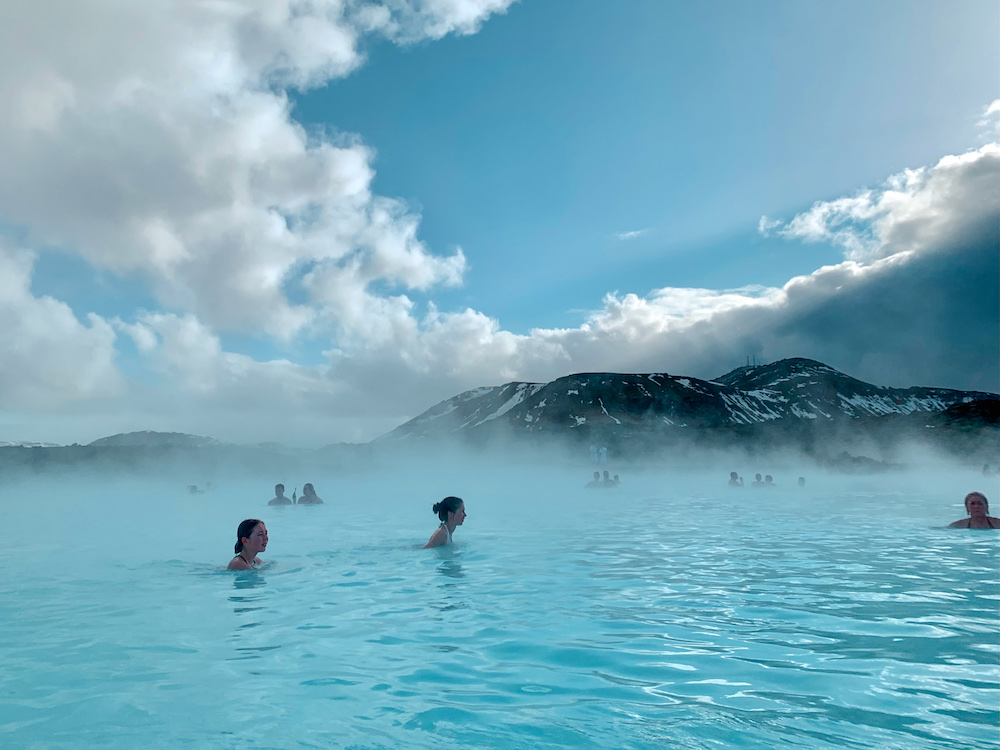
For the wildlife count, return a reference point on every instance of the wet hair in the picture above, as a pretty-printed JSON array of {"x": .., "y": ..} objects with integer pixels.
[
  {"x": 244, "y": 530},
  {"x": 449, "y": 505},
  {"x": 279, "y": 487},
  {"x": 979, "y": 495},
  {"x": 307, "y": 487}
]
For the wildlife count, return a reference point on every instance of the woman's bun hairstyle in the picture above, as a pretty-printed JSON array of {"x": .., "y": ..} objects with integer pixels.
[{"x": 449, "y": 505}]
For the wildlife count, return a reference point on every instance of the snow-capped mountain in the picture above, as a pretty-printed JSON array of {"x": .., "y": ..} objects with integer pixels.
[{"x": 788, "y": 390}]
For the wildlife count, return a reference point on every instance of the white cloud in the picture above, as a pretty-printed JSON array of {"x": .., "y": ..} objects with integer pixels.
[
  {"x": 187, "y": 353},
  {"x": 632, "y": 235},
  {"x": 913, "y": 210},
  {"x": 765, "y": 226},
  {"x": 48, "y": 358},
  {"x": 156, "y": 140},
  {"x": 989, "y": 123},
  {"x": 414, "y": 20}
]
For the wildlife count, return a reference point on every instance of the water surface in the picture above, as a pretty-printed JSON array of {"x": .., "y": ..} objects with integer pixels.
[{"x": 658, "y": 614}]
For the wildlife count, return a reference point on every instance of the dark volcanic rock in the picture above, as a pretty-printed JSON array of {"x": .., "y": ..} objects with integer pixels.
[
  {"x": 792, "y": 393},
  {"x": 973, "y": 413}
]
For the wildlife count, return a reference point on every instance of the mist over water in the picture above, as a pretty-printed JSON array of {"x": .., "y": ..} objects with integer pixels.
[{"x": 669, "y": 611}]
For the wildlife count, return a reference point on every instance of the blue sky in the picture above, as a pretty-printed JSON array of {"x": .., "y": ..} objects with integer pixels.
[
  {"x": 248, "y": 224},
  {"x": 534, "y": 143}
]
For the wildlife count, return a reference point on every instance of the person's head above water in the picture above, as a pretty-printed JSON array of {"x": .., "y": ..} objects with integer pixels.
[
  {"x": 977, "y": 508},
  {"x": 279, "y": 489},
  {"x": 251, "y": 533},
  {"x": 757, "y": 477},
  {"x": 450, "y": 509},
  {"x": 597, "y": 475},
  {"x": 251, "y": 539},
  {"x": 733, "y": 475},
  {"x": 308, "y": 489},
  {"x": 977, "y": 504}
]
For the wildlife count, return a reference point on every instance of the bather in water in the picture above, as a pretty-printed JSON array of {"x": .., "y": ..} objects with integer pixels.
[
  {"x": 251, "y": 539},
  {"x": 978, "y": 508},
  {"x": 451, "y": 511},
  {"x": 309, "y": 496}
]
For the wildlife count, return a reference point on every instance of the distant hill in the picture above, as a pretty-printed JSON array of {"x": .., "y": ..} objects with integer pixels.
[
  {"x": 148, "y": 439},
  {"x": 785, "y": 395},
  {"x": 186, "y": 459},
  {"x": 27, "y": 444}
]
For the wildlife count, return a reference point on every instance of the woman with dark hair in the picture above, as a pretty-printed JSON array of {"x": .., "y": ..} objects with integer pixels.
[
  {"x": 451, "y": 512},
  {"x": 251, "y": 538},
  {"x": 309, "y": 496},
  {"x": 978, "y": 508}
]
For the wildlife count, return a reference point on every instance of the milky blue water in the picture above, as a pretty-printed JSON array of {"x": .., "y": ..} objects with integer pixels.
[{"x": 655, "y": 615}]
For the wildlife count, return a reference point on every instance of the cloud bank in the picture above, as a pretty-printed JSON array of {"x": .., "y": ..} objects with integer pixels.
[{"x": 157, "y": 142}]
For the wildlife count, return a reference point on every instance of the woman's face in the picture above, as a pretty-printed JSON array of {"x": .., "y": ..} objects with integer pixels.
[
  {"x": 975, "y": 505},
  {"x": 257, "y": 541},
  {"x": 458, "y": 516}
]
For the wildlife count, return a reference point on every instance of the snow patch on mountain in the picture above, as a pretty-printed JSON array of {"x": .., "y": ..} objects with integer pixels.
[
  {"x": 523, "y": 391},
  {"x": 795, "y": 390},
  {"x": 605, "y": 410}
]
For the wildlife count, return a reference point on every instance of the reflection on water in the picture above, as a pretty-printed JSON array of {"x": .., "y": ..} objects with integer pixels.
[
  {"x": 451, "y": 569},
  {"x": 245, "y": 604},
  {"x": 450, "y": 595},
  {"x": 248, "y": 579}
]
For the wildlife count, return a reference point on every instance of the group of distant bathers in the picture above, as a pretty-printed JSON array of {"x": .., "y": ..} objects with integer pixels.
[
  {"x": 605, "y": 481},
  {"x": 309, "y": 496},
  {"x": 735, "y": 480},
  {"x": 251, "y": 534}
]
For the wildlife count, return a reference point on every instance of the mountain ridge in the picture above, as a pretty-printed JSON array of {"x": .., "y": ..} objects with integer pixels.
[
  {"x": 621, "y": 404},
  {"x": 154, "y": 439}
]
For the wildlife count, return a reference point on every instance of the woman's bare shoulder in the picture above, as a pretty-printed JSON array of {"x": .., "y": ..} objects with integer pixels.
[
  {"x": 238, "y": 563},
  {"x": 438, "y": 538}
]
